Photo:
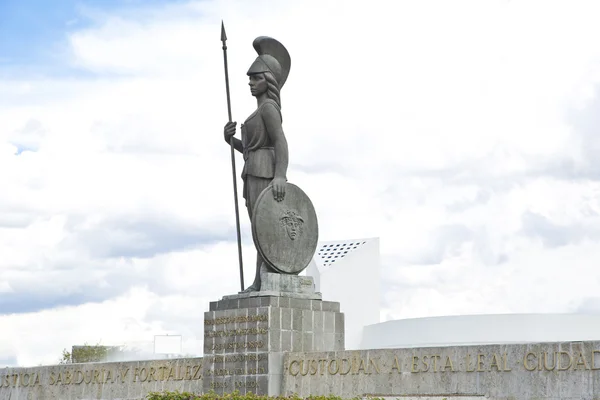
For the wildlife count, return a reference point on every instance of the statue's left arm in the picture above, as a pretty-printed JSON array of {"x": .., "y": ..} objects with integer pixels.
[{"x": 272, "y": 119}]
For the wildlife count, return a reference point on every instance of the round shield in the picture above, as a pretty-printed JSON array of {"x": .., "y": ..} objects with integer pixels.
[{"x": 285, "y": 232}]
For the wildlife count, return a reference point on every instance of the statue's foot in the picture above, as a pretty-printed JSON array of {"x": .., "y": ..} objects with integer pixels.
[{"x": 252, "y": 288}]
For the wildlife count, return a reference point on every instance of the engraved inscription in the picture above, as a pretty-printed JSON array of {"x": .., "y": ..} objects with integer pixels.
[
  {"x": 241, "y": 336},
  {"x": 237, "y": 385},
  {"x": 236, "y": 358},
  {"x": 22, "y": 379},
  {"x": 247, "y": 384},
  {"x": 102, "y": 376},
  {"x": 239, "y": 345},
  {"x": 555, "y": 361},
  {"x": 236, "y": 332},
  {"x": 235, "y": 371},
  {"x": 233, "y": 320},
  {"x": 306, "y": 282}
]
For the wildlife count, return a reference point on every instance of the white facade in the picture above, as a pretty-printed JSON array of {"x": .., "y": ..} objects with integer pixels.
[
  {"x": 481, "y": 329},
  {"x": 348, "y": 271}
]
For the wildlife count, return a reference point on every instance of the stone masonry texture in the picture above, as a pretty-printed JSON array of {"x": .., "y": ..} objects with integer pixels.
[
  {"x": 502, "y": 372},
  {"x": 568, "y": 371},
  {"x": 245, "y": 339}
]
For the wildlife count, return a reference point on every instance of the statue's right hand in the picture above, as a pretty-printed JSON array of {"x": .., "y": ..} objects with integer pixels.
[{"x": 229, "y": 131}]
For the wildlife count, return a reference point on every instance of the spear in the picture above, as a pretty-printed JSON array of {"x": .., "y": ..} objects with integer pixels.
[{"x": 235, "y": 195}]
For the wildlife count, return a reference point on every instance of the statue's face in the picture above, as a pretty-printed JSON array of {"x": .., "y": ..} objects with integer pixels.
[
  {"x": 293, "y": 226},
  {"x": 258, "y": 84}
]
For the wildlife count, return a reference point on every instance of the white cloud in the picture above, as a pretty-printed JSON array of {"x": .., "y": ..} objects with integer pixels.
[
  {"x": 461, "y": 133},
  {"x": 64, "y": 327}
]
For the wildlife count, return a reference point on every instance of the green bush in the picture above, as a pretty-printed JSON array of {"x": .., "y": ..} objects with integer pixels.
[{"x": 229, "y": 396}]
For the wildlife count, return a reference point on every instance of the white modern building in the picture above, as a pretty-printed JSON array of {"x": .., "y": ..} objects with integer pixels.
[
  {"x": 481, "y": 330},
  {"x": 348, "y": 271}
]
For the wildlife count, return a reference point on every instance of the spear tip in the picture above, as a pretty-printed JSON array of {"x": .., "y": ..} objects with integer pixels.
[{"x": 223, "y": 35}]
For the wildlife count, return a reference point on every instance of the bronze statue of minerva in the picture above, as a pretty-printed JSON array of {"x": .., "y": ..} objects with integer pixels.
[{"x": 265, "y": 151}]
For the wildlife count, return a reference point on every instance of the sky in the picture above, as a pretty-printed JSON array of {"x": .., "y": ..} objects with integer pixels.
[{"x": 463, "y": 134}]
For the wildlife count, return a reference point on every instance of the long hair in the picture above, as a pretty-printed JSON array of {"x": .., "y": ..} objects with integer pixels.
[{"x": 273, "y": 88}]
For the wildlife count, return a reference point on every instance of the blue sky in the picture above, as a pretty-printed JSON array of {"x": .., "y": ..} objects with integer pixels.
[
  {"x": 33, "y": 33},
  {"x": 31, "y": 29}
]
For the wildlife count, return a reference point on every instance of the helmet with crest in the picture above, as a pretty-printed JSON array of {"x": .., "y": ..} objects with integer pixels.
[{"x": 272, "y": 57}]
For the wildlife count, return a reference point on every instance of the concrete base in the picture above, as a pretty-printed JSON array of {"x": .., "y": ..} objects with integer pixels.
[
  {"x": 246, "y": 337},
  {"x": 282, "y": 285},
  {"x": 287, "y": 283},
  {"x": 307, "y": 296}
]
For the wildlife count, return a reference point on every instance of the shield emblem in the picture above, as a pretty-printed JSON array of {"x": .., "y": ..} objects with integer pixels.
[{"x": 285, "y": 232}]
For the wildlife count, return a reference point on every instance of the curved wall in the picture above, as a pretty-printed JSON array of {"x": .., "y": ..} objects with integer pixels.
[{"x": 481, "y": 329}]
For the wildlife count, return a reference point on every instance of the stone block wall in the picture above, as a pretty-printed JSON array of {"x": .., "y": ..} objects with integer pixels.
[
  {"x": 107, "y": 381},
  {"x": 245, "y": 339},
  {"x": 531, "y": 371}
]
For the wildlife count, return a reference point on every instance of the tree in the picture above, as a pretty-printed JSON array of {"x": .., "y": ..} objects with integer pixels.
[{"x": 88, "y": 353}]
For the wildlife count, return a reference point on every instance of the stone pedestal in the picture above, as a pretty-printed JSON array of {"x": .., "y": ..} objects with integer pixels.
[{"x": 246, "y": 335}]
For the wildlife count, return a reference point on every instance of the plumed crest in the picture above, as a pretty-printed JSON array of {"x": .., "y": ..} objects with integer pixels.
[{"x": 268, "y": 45}]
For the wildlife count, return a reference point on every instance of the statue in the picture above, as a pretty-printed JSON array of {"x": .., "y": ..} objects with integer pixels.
[
  {"x": 263, "y": 142},
  {"x": 265, "y": 152}
]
